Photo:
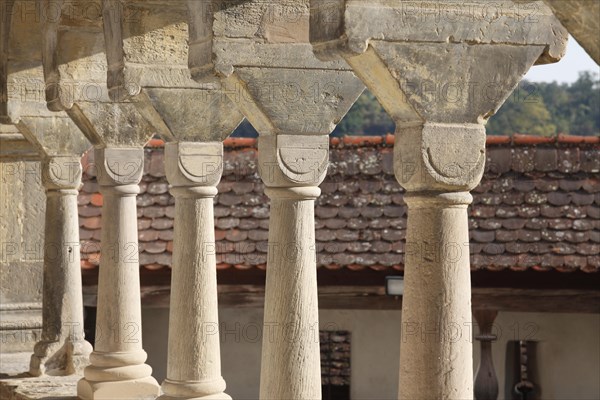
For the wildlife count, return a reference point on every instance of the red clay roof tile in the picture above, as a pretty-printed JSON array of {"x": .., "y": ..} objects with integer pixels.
[{"x": 534, "y": 207}]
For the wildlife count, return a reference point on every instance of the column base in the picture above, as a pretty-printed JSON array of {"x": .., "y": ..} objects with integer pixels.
[
  {"x": 142, "y": 388},
  {"x": 218, "y": 396},
  {"x": 57, "y": 358},
  {"x": 194, "y": 390}
]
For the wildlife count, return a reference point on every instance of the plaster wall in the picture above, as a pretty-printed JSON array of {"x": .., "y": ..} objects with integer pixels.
[{"x": 568, "y": 353}]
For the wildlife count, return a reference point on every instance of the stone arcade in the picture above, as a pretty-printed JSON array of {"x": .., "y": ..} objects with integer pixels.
[{"x": 112, "y": 74}]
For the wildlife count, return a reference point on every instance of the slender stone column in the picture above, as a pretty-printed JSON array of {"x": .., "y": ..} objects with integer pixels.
[
  {"x": 291, "y": 167},
  {"x": 194, "y": 362},
  {"x": 117, "y": 367},
  {"x": 436, "y": 349},
  {"x": 440, "y": 90},
  {"x": 63, "y": 349}
]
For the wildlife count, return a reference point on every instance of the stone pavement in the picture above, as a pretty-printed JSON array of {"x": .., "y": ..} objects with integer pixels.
[{"x": 14, "y": 384}]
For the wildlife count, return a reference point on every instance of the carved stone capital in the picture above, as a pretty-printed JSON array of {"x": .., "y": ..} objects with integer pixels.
[
  {"x": 293, "y": 160},
  {"x": 436, "y": 157},
  {"x": 61, "y": 173},
  {"x": 194, "y": 164},
  {"x": 119, "y": 166}
]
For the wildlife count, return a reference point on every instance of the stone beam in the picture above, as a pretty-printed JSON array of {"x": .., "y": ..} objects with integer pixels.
[
  {"x": 416, "y": 51},
  {"x": 440, "y": 69},
  {"x": 582, "y": 20},
  {"x": 60, "y": 144},
  {"x": 260, "y": 52}
]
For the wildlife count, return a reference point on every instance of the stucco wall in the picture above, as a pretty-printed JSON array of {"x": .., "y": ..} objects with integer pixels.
[{"x": 568, "y": 351}]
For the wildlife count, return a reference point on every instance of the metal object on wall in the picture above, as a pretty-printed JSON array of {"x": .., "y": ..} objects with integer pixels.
[{"x": 521, "y": 371}]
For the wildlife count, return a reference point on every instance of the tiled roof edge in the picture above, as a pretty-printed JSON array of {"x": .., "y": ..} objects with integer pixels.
[{"x": 388, "y": 140}]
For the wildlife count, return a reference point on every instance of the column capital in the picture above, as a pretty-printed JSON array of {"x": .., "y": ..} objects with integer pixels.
[
  {"x": 194, "y": 164},
  {"x": 439, "y": 158},
  {"x": 119, "y": 166},
  {"x": 287, "y": 161},
  {"x": 61, "y": 172}
]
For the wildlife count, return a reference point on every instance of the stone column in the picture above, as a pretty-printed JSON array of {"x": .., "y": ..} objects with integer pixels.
[
  {"x": 292, "y": 167},
  {"x": 436, "y": 348},
  {"x": 194, "y": 362},
  {"x": 117, "y": 367},
  {"x": 63, "y": 349}
]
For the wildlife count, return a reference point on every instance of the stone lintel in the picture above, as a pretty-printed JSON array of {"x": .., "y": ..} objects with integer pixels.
[
  {"x": 447, "y": 82},
  {"x": 261, "y": 33},
  {"x": 108, "y": 124},
  {"x": 188, "y": 115},
  {"x": 127, "y": 47},
  {"x": 280, "y": 101},
  {"x": 22, "y": 89},
  {"x": 261, "y": 53},
  {"x": 54, "y": 136},
  {"x": 14, "y": 146},
  {"x": 581, "y": 18},
  {"x": 148, "y": 59},
  {"x": 349, "y": 26},
  {"x": 447, "y": 62}
]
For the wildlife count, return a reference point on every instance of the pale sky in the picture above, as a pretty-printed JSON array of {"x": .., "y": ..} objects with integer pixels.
[{"x": 566, "y": 70}]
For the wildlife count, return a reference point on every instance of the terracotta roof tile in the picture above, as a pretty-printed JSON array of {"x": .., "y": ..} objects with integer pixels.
[
  {"x": 143, "y": 223},
  {"x": 148, "y": 235},
  {"x": 85, "y": 264},
  {"x": 562, "y": 138},
  {"x": 569, "y": 185},
  {"x": 569, "y": 160},
  {"x": 161, "y": 223},
  {"x": 166, "y": 235},
  {"x": 155, "y": 247},
  {"x": 536, "y": 208},
  {"x": 158, "y": 187},
  {"x": 153, "y": 212},
  {"x": 96, "y": 200},
  {"x": 90, "y": 223},
  {"x": 532, "y": 139},
  {"x": 590, "y": 162},
  {"x": 89, "y": 211}
]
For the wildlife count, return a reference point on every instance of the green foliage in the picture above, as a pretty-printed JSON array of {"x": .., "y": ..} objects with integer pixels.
[
  {"x": 523, "y": 112},
  {"x": 533, "y": 108},
  {"x": 550, "y": 108},
  {"x": 365, "y": 117}
]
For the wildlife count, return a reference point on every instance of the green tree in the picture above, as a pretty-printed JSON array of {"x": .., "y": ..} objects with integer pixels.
[
  {"x": 584, "y": 105},
  {"x": 548, "y": 108},
  {"x": 523, "y": 112},
  {"x": 365, "y": 117}
]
